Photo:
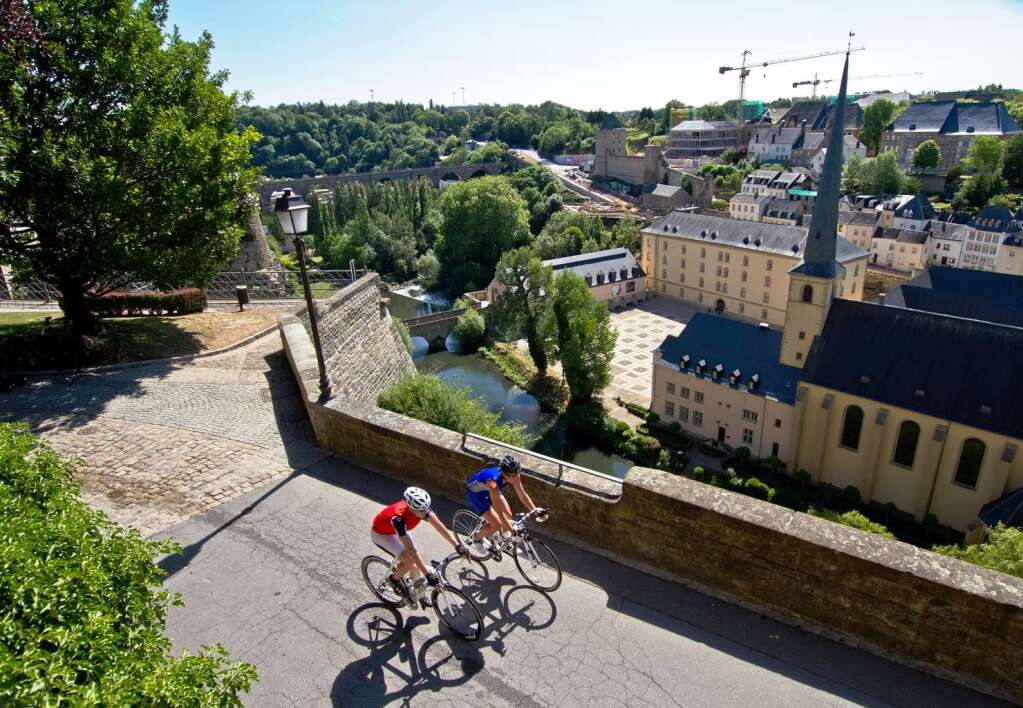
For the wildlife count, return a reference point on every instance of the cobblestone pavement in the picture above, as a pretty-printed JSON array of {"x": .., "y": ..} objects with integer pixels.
[
  {"x": 641, "y": 329},
  {"x": 275, "y": 576},
  {"x": 162, "y": 443}
]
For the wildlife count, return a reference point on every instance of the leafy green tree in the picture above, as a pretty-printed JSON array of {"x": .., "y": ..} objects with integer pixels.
[
  {"x": 875, "y": 175},
  {"x": 1012, "y": 170},
  {"x": 977, "y": 191},
  {"x": 428, "y": 268},
  {"x": 626, "y": 234},
  {"x": 557, "y": 239},
  {"x": 927, "y": 155},
  {"x": 876, "y": 118},
  {"x": 713, "y": 111},
  {"x": 121, "y": 157},
  {"x": 522, "y": 309},
  {"x": 585, "y": 339},
  {"x": 482, "y": 219},
  {"x": 1002, "y": 551},
  {"x": 470, "y": 329},
  {"x": 403, "y": 332},
  {"x": 83, "y": 602},
  {"x": 986, "y": 155}
]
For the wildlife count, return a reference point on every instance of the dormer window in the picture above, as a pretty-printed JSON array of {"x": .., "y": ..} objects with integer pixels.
[
  {"x": 717, "y": 370},
  {"x": 685, "y": 361},
  {"x": 754, "y": 380},
  {"x": 912, "y": 126}
]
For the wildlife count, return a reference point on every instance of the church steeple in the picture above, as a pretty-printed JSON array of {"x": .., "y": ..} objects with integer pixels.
[
  {"x": 812, "y": 282},
  {"x": 822, "y": 238}
]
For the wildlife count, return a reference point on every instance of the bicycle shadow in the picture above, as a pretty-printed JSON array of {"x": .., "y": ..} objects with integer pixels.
[
  {"x": 440, "y": 662},
  {"x": 506, "y": 605}
]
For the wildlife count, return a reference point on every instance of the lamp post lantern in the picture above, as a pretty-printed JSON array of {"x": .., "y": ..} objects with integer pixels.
[{"x": 293, "y": 215}]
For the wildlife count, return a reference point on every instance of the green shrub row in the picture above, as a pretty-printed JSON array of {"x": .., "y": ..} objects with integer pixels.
[
  {"x": 82, "y": 605},
  {"x": 183, "y": 301},
  {"x": 592, "y": 423}
]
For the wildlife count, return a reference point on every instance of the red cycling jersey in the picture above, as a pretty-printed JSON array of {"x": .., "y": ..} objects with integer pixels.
[{"x": 383, "y": 522}]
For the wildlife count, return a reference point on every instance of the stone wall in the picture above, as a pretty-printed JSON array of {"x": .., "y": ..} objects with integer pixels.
[
  {"x": 939, "y": 614},
  {"x": 361, "y": 346}
]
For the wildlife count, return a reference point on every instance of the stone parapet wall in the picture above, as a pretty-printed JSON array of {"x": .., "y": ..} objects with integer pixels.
[
  {"x": 940, "y": 614},
  {"x": 362, "y": 348}
]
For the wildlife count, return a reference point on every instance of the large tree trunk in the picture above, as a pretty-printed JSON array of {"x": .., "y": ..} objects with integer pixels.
[
  {"x": 536, "y": 349},
  {"x": 81, "y": 320}
]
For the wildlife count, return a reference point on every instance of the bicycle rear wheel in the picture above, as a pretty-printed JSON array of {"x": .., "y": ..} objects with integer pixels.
[
  {"x": 375, "y": 571},
  {"x": 538, "y": 564},
  {"x": 456, "y": 611},
  {"x": 464, "y": 524}
]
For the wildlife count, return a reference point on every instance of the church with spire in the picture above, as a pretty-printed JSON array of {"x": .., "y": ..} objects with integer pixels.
[{"x": 857, "y": 394}]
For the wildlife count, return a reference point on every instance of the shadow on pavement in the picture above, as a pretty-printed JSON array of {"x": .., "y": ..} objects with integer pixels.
[{"x": 441, "y": 661}]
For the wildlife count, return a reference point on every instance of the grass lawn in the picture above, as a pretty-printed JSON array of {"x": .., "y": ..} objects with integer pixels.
[{"x": 27, "y": 342}]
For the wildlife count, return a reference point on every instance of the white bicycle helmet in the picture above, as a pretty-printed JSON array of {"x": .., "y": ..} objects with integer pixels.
[{"x": 417, "y": 499}]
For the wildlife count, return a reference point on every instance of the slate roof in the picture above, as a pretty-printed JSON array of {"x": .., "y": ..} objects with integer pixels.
[
  {"x": 752, "y": 235},
  {"x": 735, "y": 345},
  {"x": 951, "y": 118},
  {"x": 947, "y": 230},
  {"x": 902, "y": 235},
  {"x": 602, "y": 266},
  {"x": 784, "y": 209},
  {"x": 923, "y": 363},
  {"x": 996, "y": 219},
  {"x": 704, "y": 125},
  {"x": 996, "y": 287},
  {"x": 852, "y": 117},
  {"x": 914, "y": 206},
  {"x": 813, "y": 112},
  {"x": 611, "y": 122},
  {"x": 953, "y": 304},
  {"x": 857, "y": 217},
  {"x": 1008, "y": 510},
  {"x": 662, "y": 190},
  {"x": 778, "y": 136}
]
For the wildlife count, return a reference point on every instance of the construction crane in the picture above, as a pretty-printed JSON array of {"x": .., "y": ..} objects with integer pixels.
[
  {"x": 815, "y": 82},
  {"x": 744, "y": 70}
]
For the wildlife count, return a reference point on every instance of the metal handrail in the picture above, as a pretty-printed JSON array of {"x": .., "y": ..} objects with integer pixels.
[{"x": 560, "y": 463}]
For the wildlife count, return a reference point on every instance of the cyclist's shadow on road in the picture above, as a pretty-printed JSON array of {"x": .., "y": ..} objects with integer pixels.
[{"x": 442, "y": 660}]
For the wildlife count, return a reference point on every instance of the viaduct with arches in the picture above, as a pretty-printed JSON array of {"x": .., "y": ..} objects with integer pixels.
[{"x": 435, "y": 174}]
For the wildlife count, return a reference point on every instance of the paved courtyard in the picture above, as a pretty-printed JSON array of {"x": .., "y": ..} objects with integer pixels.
[
  {"x": 163, "y": 443},
  {"x": 641, "y": 329}
]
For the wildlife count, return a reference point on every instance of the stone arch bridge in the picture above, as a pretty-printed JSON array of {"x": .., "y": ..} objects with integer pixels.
[
  {"x": 436, "y": 327},
  {"x": 435, "y": 174}
]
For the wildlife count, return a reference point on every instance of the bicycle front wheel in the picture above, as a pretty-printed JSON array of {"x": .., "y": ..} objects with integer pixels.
[
  {"x": 464, "y": 524},
  {"x": 538, "y": 564},
  {"x": 375, "y": 571},
  {"x": 456, "y": 611}
]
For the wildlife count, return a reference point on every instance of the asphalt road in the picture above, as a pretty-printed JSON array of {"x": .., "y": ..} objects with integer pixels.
[{"x": 274, "y": 576}]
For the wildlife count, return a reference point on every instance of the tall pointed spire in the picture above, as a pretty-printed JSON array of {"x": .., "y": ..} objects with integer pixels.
[{"x": 822, "y": 238}]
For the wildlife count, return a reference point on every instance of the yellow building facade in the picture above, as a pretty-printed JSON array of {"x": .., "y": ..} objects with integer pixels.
[{"x": 737, "y": 267}]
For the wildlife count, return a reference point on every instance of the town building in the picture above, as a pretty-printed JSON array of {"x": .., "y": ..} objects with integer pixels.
[
  {"x": 774, "y": 184},
  {"x": 612, "y": 160},
  {"x": 880, "y": 398},
  {"x": 992, "y": 228},
  {"x": 613, "y": 275},
  {"x": 945, "y": 244},
  {"x": 748, "y": 206},
  {"x": 662, "y": 198},
  {"x": 957, "y": 292},
  {"x": 733, "y": 266},
  {"x": 784, "y": 211},
  {"x": 950, "y": 124},
  {"x": 899, "y": 249},
  {"x": 693, "y": 138},
  {"x": 897, "y": 97},
  {"x": 775, "y": 145},
  {"x": 857, "y": 227}
]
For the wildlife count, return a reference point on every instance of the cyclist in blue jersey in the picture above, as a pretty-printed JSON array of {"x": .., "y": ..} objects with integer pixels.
[{"x": 484, "y": 492}]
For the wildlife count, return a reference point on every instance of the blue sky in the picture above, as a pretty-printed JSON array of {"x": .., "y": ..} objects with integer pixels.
[{"x": 593, "y": 54}]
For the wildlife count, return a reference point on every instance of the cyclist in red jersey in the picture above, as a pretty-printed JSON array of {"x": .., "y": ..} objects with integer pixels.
[{"x": 390, "y": 533}]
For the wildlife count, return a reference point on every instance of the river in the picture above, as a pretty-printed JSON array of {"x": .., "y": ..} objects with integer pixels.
[{"x": 516, "y": 406}]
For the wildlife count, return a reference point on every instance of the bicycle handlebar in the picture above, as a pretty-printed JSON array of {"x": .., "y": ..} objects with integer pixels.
[{"x": 521, "y": 519}]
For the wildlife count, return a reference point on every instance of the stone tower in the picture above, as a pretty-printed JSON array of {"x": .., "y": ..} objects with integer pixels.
[
  {"x": 609, "y": 142},
  {"x": 812, "y": 282}
]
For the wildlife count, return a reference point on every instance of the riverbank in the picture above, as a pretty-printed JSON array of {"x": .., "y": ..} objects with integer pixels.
[{"x": 551, "y": 392}]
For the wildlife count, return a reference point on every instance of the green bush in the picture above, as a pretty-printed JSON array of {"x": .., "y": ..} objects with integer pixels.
[
  {"x": 851, "y": 495},
  {"x": 711, "y": 450},
  {"x": 930, "y": 520},
  {"x": 403, "y": 332},
  {"x": 82, "y": 606},
  {"x": 852, "y": 518},
  {"x": 470, "y": 329},
  {"x": 184, "y": 301},
  {"x": 648, "y": 450},
  {"x": 652, "y": 418},
  {"x": 789, "y": 498},
  {"x": 1002, "y": 551},
  {"x": 760, "y": 490},
  {"x": 803, "y": 478},
  {"x": 429, "y": 399},
  {"x": 742, "y": 453},
  {"x": 698, "y": 472},
  {"x": 775, "y": 464},
  {"x": 675, "y": 428}
]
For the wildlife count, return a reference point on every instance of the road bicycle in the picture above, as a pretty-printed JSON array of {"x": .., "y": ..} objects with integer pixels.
[
  {"x": 534, "y": 558},
  {"x": 454, "y": 609}
]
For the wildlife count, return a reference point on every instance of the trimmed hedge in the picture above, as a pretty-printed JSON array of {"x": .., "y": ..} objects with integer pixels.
[{"x": 183, "y": 301}]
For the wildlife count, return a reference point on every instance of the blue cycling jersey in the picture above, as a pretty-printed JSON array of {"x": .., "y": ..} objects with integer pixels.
[{"x": 478, "y": 482}]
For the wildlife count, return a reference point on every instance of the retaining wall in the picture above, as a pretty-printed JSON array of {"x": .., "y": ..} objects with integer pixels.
[{"x": 943, "y": 615}]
